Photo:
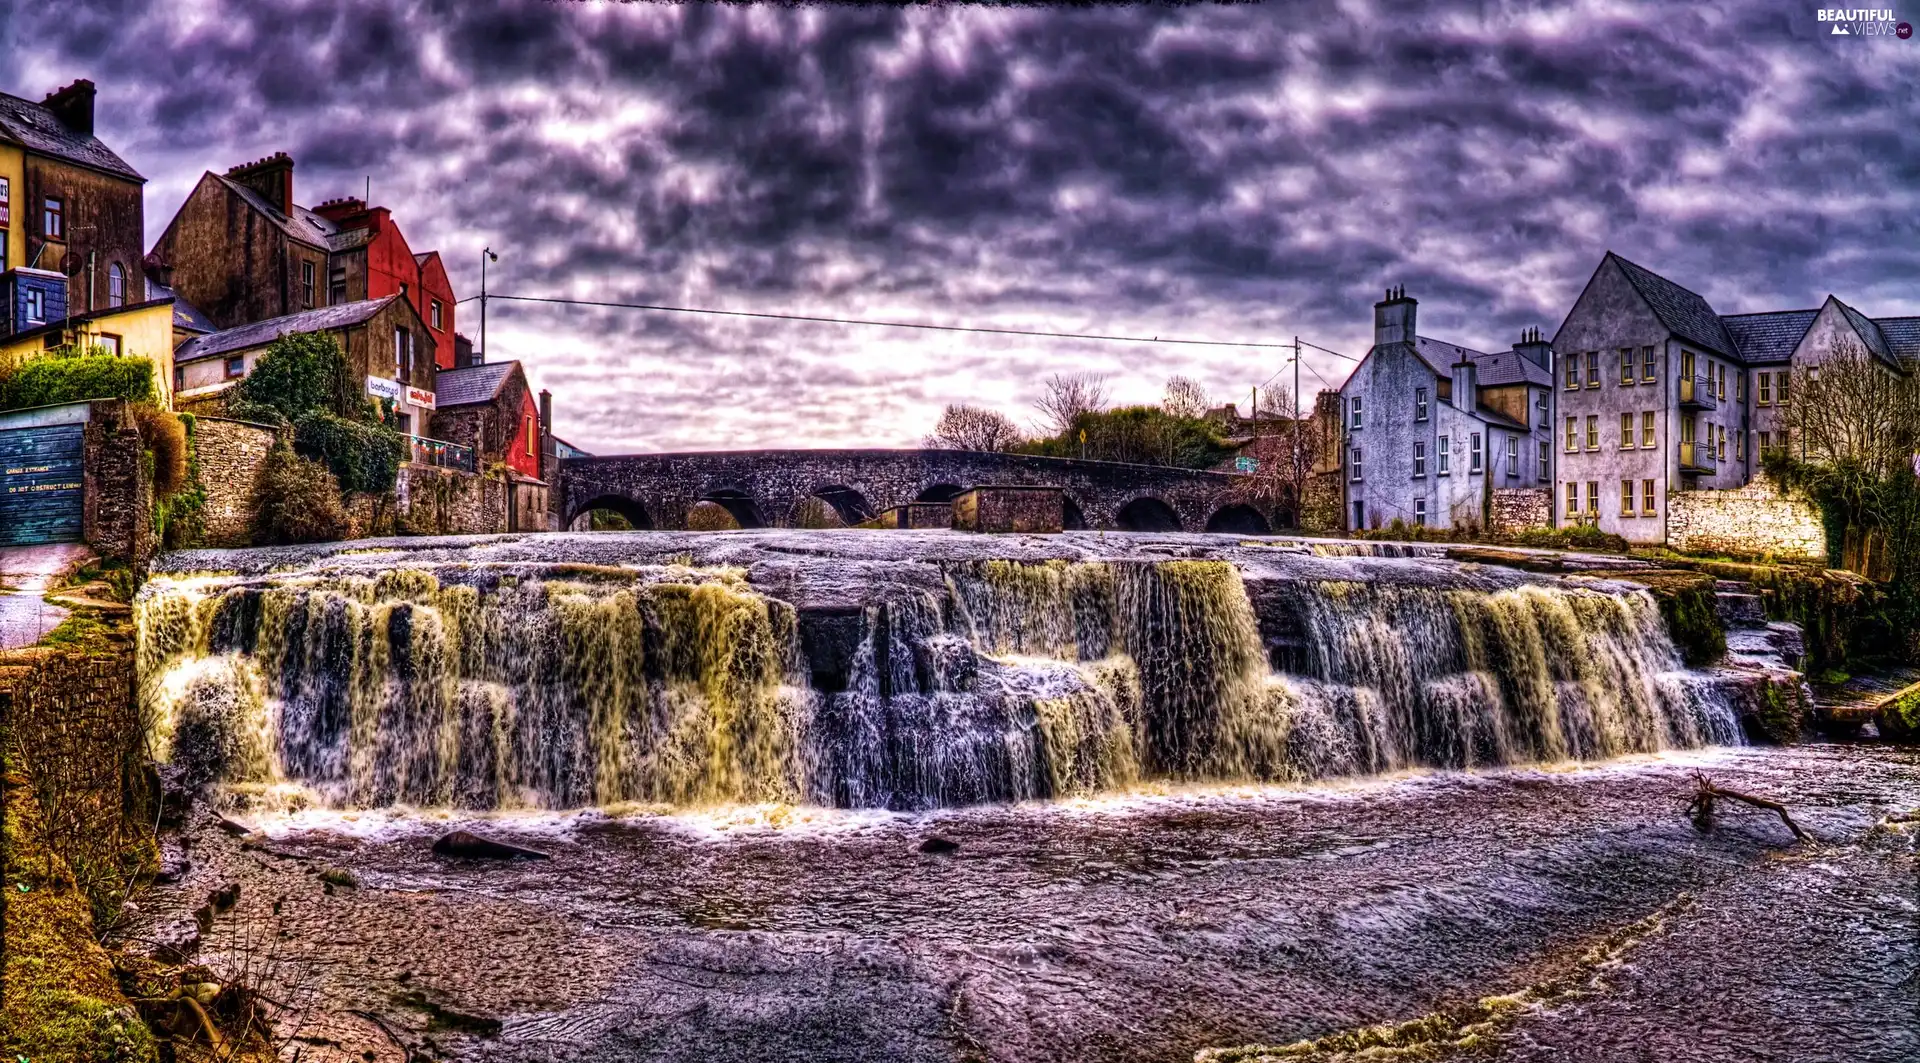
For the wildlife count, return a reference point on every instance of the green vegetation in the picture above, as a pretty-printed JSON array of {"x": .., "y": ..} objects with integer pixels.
[
  {"x": 363, "y": 457},
  {"x": 67, "y": 375},
  {"x": 607, "y": 520},
  {"x": 1899, "y": 718},
  {"x": 1141, "y": 435},
  {"x": 179, "y": 516},
  {"x": 1687, "y": 605},
  {"x": 298, "y": 501},
  {"x": 1576, "y": 537},
  {"x": 299, "y": 373}
]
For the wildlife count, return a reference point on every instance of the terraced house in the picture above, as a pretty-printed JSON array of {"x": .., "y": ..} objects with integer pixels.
[{"x": 1659, "y": 394}]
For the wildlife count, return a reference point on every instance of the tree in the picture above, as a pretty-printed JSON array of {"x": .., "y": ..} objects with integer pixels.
[
  {"x": 1139, "y": 435},
  {"x": 963, "y": 427},
  {"x": 1067, "y": 397},
  {"x": 1185, "y": 398},
  {"x": 300, "y": 373}
]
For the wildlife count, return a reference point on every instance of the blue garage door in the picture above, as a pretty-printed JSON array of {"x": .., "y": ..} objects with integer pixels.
[{"x": 42, "y": 484}]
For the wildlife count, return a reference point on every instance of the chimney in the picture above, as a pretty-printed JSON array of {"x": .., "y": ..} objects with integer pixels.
[
  {"x": 546, "y": 413},
  {"x": 1393, "y": 318},
  {"x": 1466, "y": 385},
  {"x": 339, "y": 210},
  {"x": 272, "y": 177},
  {"x": 159, "y": 271},
  {"x": 1534, "y": 348},
  {"x": 462, "y": 351},
  {"x": 73, "y": 105}
]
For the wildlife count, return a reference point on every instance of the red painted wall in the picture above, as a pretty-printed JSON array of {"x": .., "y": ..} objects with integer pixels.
[
  {"x": 390, "y": 264},
  {"x": 517, "y": 455},
  {"x": 435, "y": 285}
]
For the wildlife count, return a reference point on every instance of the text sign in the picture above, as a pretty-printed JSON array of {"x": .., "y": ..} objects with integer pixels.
[
  {"x": 420, "y": 397},
  {"x": 382, "y": 388}
]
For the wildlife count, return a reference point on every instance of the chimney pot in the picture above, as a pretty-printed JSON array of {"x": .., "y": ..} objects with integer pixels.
[{"x": 73, "y": 105}]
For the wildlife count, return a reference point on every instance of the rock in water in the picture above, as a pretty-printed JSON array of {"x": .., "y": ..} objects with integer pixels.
[
  {"x": 473, "y": 847},
  {"x": 938, "y": 844}
]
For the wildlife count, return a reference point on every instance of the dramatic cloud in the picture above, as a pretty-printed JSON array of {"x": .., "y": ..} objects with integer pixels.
[{"x": 1242, "y": 172}]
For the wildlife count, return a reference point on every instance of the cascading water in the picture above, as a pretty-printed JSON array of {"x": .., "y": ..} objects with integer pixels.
[{"x": 542, "y": 685}]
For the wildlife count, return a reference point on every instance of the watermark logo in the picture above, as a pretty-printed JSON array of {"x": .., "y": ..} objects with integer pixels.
[{"x": 1864, "y": 22}]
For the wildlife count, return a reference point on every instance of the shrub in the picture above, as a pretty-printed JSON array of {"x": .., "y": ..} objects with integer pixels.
[
  {"x": 55, "y": 379},
  {"x": 300, "y": 373},
  {"x": 298, "y": 501},
  {"x": 362, "y": 457},
  {"x": 1577, "y": 537},
  {"x": 165, "y": 438},
  {"x": 1143, "y": 435}
]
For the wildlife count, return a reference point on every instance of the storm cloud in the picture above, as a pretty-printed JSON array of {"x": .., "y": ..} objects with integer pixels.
[{"x": 1235, "y": 172}]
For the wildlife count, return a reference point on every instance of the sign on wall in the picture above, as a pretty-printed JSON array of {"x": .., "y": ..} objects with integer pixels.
[
  {"x": 382, "y": 388},
  {"x": 1244, "y": 464},
  {"x": 420, "y": 397}
]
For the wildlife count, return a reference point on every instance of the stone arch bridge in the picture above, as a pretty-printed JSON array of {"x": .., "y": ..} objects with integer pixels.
[{"x": 764, "y": 488}]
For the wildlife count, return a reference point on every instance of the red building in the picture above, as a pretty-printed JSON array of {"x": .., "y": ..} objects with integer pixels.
[{"x": 371, "y": 260}]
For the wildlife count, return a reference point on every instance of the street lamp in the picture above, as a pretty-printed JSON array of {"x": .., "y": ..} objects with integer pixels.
[{"x": 486, "y": 256}]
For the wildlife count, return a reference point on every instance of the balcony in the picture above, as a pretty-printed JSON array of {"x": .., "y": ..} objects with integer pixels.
[
  {"x": 1696, "y": 393},
  {"x": 1697, "y": 459},
  {"x": 440, "y": 454}
]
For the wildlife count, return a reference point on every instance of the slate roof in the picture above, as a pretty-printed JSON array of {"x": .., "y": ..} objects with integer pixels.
[
  {"x": 1510, "y": 367},
  {"x": 1903, "y": 336},
  {"x": 1767, "y": 338},
  {"x": 1684, "y": 312},
  {"x": 1440, "y": 355},
  {"x": 185, "y": 315},
  {"x": 1495, "y": 417},
  {"x": 304, "y": 225},
  {"x": 473, "y": 384},
  {"x": 1869, "y": 331},
  {"x": 260, "y": 333},
  {"x": 38, "y": 130}
]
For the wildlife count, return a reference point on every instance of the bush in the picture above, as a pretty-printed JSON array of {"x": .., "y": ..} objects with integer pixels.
[
  {"x": 300, "y": 373},
  {"x": 362, "y": 457},
  {"x": 53, "y": 379},
  {"x": 165, "y": 438},
  {"x": 1577, "y": 537},
  {"x": 298, "y": 501},
  {"x": 1142, "y": 435}
]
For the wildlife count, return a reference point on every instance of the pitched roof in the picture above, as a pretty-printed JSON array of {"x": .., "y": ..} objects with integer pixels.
[
  {"x": 186, "y": 316},
  {"x": 472, "y": 384},
  {"x": 1510, "y": 367},
  {"x": 1869, "y": 332},
  {"x": 38, "y": 130},
  {"x": 1440, "y": 355},
  {"x": 304, "y": 225},
  {"x": 260, "y": 333},
  {"x": 1903, "y": 336},
  {"x": 1684, "y": 312},
  {"x": 102, "y": 314},
  {"x": 1769, "y": 337},
  {"x": 1495, "y": 417}
]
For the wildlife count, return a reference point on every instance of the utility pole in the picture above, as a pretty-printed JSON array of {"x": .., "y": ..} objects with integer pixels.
[
  {"x": 486, "y": 255},
  {"x": 1299, "y": 477}
]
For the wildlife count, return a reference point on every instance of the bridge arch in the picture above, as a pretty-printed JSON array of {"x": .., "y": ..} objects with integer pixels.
[
  {"x": 738, "y": 504},
  {"x": 1072, "y": 517},
  {"x": 848, "y": 504},
  {"x": 942, "y": 492},
  {"x": 1147, "y": 513},
  {"x": 1239, "y": 519},
  {"x": 631, "y": 509}
]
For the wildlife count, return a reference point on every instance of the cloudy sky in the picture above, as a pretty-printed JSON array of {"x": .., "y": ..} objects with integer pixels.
[{"x": 1227, "y": 172}]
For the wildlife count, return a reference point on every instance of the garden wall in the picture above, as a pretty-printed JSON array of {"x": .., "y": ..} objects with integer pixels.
[{"x": 1752, "y": 521}]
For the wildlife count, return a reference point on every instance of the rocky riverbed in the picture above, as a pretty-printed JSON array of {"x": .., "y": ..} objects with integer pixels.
[{"x": 1138, "y": 926}]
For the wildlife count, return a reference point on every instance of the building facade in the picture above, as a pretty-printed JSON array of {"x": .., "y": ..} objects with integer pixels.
[
  {"x": 491, "y": 409},
  {"x": 1430, "y": 429},
  {"x": 1660, "y": 394}
]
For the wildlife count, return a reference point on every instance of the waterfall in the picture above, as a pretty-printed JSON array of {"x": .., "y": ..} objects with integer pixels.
[{"x": 550, "y": 686}]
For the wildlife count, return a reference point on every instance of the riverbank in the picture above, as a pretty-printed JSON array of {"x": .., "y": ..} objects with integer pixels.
[{"x": 1136, "y": 927}]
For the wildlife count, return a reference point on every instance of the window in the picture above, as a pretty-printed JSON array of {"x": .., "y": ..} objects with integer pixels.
[
  {"x": 1573, "y": 372},
  {"x": 1572, "y": 435},
  {"x": 6, "y": 203},
  {"x": 1626, "y": 498},
  {"x": 1474, "y": 458},
  {"x": 1355, "y": 463},
  {"x": 1513, "y": 455},
  {"x": 1646, "y": 365},
  {"x": 1626, "y": 431},
  {"x": 1546, "y": 418},
  {"x": 1720, "y": 389},
  {"x": 116, "y": 285},
  {"x": 306, "y": 285},
  {"x": 1646, "y": 430},
  {"x": 1740, "y": 387},
  {"x": 1813, "y": 374},
  {"x": 53, "y": 220},
  {"x": 1593, "y": 369},
  {"x": 36, "y": 305},
  {"x": 1720, "y": 449},
  {"x": 1419, "y": 460},
  {"x": 1359, "y": 515},
  {"x": 1626, "y": 366},
  {"x": 337, "y": 285},
  {"x": 1356, "y": 418},
  {"x": 1419, "y": 401},
  {"x": 1780, "y": 381},
  {"x": 403, "y": 353},
  {"x": 179, "y": 378},
  {"x": 236, "y": 367},
  {"x": 438, "y": 327},
  {"x": 1546, "y": 467},
  {"x": 1766, "y": 442},
  {"x": 1573, "y": 500},
  {"x": 1593, "y": 431},
  {"x": 1740, "y": 445},
  {"x": 1445, "y": 455},
  {"x": 1419, "y": 512},
  {"x": 1686, "y": 365},
  {"x": 1784, "y": 443},
  {"x": 532, "y": 433},
  {"x": 1765, "y": 398},
  {"x": 110, "y": 341},
  {"x": 1593, "y": 499},
  {"x": 403, "y": 423},
  {"x": 1688, "y": 431},
  {"x": 1646, "y": 497}
]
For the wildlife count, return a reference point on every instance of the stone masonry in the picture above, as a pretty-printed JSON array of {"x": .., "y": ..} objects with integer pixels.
[
  {"x": 1518, "y": 509},
  {"x": 1751, "y": 521},
  {"x": 231, "y": 454},
  {"x": 118, "y": 506}
]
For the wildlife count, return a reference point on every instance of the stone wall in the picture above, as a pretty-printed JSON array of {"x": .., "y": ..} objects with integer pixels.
[
  {"x": 1516, "y": 509},
  {"x": 1752, "y": 521},
  {"x": 117, "y": 517},
  {"x": 437, "y": 501},
  {"x": 1323, "y": 504},
  {"x": 231, "y": 454}
]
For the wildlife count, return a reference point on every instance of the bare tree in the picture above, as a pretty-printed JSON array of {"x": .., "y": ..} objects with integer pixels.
[
  {"x": 1069, "y": 395},
  {"x": 1184, "y": 398},
  {"x": 1276, "y": 402},
  {"x": 963, "y": 427}
]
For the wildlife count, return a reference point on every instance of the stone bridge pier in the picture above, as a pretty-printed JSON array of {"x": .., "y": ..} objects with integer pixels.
[{"x": 766, "y": 488}]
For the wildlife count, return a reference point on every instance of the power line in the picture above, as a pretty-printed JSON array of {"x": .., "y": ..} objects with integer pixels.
[
  {"x": 1323, "y": 350},
  {"x": 887, "y": 324}
]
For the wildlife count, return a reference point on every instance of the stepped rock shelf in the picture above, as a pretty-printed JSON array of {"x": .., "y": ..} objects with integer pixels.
[{"x": 911, "y": 670}]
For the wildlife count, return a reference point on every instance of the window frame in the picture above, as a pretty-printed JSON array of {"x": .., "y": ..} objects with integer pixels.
[
  {"x": 1420, "y": 460},
  {"x": 1647, "y": 506},
  {"x": 1546, "y": 463},
  {"x": 436, "y": 323},
  {"x": 307, "y": 272},
  {"x": 1356, "y": 465},
  {"x": 1593, "y": 431},
  {"x": 1573, "y": 434},
  {"x": 1513, "y": 457},
  {"x": 227, "y": 366},
  {"x": 1648, "y": 439},
  {"x": 1647, "y": 375},
  {"x": 1627, "y": 493},
  {"x": 1629, "y": 366},
  {"x": 1593, "y": 369},
  {"x": 1573, "y": 500},
  {"x": 1476, "y": 455},
  {"x": 1628, "y": 434},
  {"x": 1419, "y": 512},
  {"x": 36, "y": 306},
  {"x": 1443, "y": 456},
  {"x": 1356, "y": 414},
  {"x": 53, "y": 218},
  {"x": 1783, "y": 388},
  {"x": 116, "y": 278},
  {"x": 1593, "y": 499},
  {"x": 117, "y": 345},
  {"x": 1419, "y": 404}
]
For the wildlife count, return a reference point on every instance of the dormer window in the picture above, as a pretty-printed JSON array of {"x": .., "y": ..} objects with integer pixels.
[{"x": 36, "y": 306}]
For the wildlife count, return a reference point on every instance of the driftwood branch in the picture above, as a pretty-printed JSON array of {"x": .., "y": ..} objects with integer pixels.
[{"x": 1701, "y": 806}]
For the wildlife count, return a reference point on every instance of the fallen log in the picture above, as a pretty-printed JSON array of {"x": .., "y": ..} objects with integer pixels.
[{"x": 1701, "y": 806}]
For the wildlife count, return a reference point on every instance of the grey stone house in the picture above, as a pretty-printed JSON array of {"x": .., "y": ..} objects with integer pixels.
[
  {"x": 1659, "y": 394},
  {"x": 1431, "y": 430}
]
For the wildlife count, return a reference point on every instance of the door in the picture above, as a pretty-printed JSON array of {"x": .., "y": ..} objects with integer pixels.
[{"x": 42, "y": 484}]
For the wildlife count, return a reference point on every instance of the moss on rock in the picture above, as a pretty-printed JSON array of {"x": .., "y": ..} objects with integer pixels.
[
  {"x": 1899, "y": 717},
  {"x": 1687, "y": 604}
]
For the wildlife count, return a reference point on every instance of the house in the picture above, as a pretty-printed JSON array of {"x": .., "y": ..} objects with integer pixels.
[
  {"x": 490, "y": 408},
  {"x": 144, "y": 329},
  {"x": 1661, "y": 395},
  {"x": 70, "y": 213},
  {"x": 1432, "y": 430},
  {"x": 376, "y": 336},
  {"x": 243, "y": 251}
]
